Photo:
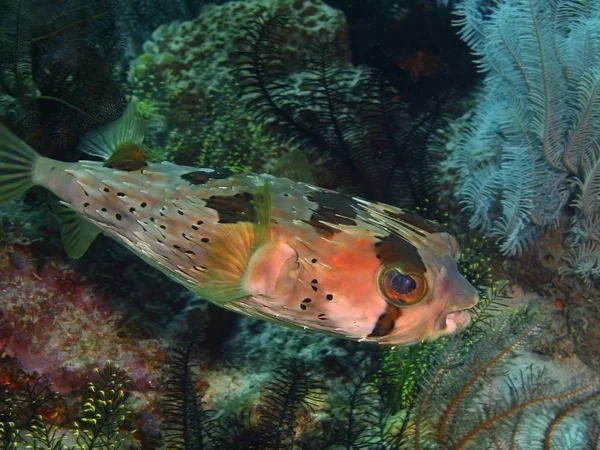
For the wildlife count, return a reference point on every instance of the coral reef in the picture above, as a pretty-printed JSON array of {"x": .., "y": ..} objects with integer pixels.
[
  {"x": 351, "y": 117},
  {"x": 274, "y": 76},
  {"x": 137, "y": 19},
  {"x": 237, "y": 87},
  {"x": 61, "y": 325}
]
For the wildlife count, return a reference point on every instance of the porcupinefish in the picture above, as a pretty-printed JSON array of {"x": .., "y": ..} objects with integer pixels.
[{"x": 262, "y": 245}]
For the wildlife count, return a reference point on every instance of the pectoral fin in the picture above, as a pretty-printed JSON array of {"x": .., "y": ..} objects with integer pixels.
[{"x": 230, "y": 252}]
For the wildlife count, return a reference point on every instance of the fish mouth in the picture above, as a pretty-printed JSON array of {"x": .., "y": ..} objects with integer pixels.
[{"x": 457, "y": 321}]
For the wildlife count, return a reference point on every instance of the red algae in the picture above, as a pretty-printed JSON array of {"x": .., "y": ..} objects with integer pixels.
[{"x": 60, "y": 325}]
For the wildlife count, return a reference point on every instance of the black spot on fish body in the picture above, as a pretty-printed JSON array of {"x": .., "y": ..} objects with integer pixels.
[
  {"x": 232, "y": 209},
  {"x": 85, "y": 205},
  {"x": 118, "y": 216},
  {"x": 329, "y": 297},
  {"x": 386, "y": 321},
  {"x": 303, "y": 306},
  {"x": 202, "y": 176},
  {"x": 120, "y": 194},
  {"x": 333, "y": 208},
  {"x": 205, "y": 240},
  {"x": 132, "y": 210}
]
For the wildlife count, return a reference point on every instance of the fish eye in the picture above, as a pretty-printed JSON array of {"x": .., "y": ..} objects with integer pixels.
[{"x": 402, "y": 289}]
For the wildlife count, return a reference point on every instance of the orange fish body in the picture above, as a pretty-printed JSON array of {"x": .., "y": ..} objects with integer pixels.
[{"x": 261, "y": 245}]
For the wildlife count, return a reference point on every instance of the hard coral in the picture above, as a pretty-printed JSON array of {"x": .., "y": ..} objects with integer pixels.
[
  {"x": 202, "y": 51},
  {"x": 185, "y": 86}
]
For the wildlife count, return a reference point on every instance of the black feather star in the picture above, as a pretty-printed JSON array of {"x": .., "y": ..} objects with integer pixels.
[
  {"x": 350, "y": 116},
  {"x": 187, "y": 423},
  {"x": 292, "y": 391}
]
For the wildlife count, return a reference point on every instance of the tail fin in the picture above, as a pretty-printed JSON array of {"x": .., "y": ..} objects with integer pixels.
[{"x": 17, "y": 162}]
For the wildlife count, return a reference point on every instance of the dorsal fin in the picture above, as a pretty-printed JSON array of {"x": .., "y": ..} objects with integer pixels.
[
  {"x": 119, "y": 143},
  {"x": 76, "y": 233},
  {"x": 294, "y": 165}
]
